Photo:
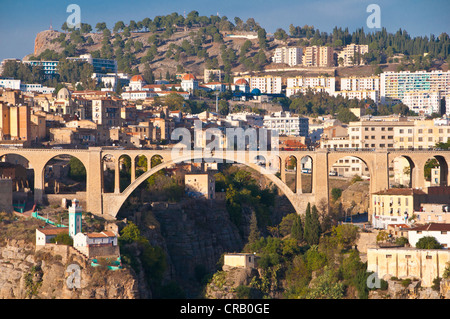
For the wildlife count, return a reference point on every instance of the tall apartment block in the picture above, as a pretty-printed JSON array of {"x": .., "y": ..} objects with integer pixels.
[
  {"x": 302, "y": 84},
  {"x": 360, "y": 88},
  {"x": 318, "y": 56},
  {"x": 291, "y": 56},
  {"x": 265, "y": 84},
  {"x": 14, "y": 122},
  {"x": 352, "y": 54},
  {"x": 422, "y": 91}
]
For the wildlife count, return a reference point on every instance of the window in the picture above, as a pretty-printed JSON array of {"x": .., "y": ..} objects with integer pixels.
[{"x": 429, "y": 257}]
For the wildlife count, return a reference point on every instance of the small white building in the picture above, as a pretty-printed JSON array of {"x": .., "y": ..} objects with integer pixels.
[
  {"x": 46, "y": 234},
  {"x": 242, "y": 260},
  {"x": 439, "y": 231},
  {"x": 88, "y": 239}
]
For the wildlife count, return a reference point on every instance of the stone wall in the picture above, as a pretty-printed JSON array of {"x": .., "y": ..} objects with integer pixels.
[
  {"x": 423, "y": 264},
  {"x": 6, "y": 199}
]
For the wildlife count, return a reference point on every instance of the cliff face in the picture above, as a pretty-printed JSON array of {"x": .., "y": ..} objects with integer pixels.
[
  {"x": 43, "y": 41},
  {"x": 194, "y": 235},
  {"x": 26, "y": 273}
]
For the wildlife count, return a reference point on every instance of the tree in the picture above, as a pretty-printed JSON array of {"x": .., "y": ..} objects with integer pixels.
[
  {"x": 262, "y": 38},
  {"x": 100, "y": 26},
  {"x": 254, "y": 234},
  {"x": 77, "y": 171},
  {"x": 336, "y": 193},
  {"x": 428, "y": 242},
  {"x": 346, "y": 234},
  {"x": 297, "y": 229},
  {"x": 119, "y": 26}
]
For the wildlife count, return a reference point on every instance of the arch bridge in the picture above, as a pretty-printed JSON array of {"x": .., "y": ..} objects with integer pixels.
[{"x": 107, "y": 204}]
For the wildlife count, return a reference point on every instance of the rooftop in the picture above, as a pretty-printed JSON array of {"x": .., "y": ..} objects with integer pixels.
[
  {"x": 401, "y": 191},
  {"x": 432, "y": 227}
]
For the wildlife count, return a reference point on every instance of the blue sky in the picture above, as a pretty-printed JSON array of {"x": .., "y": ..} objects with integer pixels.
[{"x": 21, "y": 20}]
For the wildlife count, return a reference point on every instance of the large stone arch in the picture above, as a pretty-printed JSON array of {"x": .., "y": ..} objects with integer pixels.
[
  {"x": 371, "y": 160},
  {"x": 47, "y": 162},
  {"x": 397, "y": 177},
  {"x": 113, "y": 202}
]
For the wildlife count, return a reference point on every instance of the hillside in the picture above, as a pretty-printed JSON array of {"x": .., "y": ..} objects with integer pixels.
[{"x": 161, "y": 63}]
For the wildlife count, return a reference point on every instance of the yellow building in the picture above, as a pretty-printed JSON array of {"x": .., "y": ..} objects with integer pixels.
[
  {"x": 395, "y": 205},
  {"x": 15, "y": 122}
]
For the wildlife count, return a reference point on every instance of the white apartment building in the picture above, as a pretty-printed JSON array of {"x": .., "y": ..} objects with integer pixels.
[
  {"x": 266, "y": 84},
  {"x": 291, "y": 56},
  {"x": 360, "y": 95},
  {"x": 352, "y": 54},
  {"x": 301, "y": 84},
  {"x": 412, "y": 88},
  {"x": 423, "y": 102},
  {"x": 356, "y": 83},
  {"x": 286, "y": 124}
]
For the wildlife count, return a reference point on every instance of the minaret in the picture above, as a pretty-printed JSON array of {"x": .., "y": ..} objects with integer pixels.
[{"x": 75, "y": 218}]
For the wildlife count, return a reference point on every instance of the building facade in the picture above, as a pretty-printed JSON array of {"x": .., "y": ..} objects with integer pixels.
[{"x": 286, "y": 124}]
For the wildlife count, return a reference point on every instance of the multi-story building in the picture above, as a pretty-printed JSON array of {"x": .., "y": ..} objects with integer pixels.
[
  {"x": 422, "y": 134},
  {"x": 212, "y": 75},
  {"x": 15, "y": 122},
  {"x": 189, "y": 83},
  {"x": 360, "y": 95},
  {"x": 357, "y": 83},
  {"x": 265, "y": 84},
  {"x": 375, "y": 132},
  {"x": 301, "y": 84},
  {"x": 415, "y": 88},
  {"x": 50, "y": 67},
  {"x": 352, "y": 54},
  {"x": 286, "y": 124},
  {"x": 433, "y": 213},
  {"x": 106, "y": 111},
  {"x": 425, "y": 102},
  {"x": 100, "y": 65},
  {"x": 395, "y": 205},
  {"x": 318, "y": 56},
  {"x": 288, "y": 55},
  {"x": 10, "y": 83}
]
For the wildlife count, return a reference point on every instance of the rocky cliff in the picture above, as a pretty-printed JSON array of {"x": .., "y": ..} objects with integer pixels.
[
  {"x": 45, "y": 274},
  {"x": 194, "y": 234}
]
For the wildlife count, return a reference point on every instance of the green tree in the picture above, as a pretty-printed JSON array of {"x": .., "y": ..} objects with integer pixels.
[
  {"x": 254, "y": 234},
  {"x": 297, "y": 229},
  {"x": 346, "y": 234},
  {"x": 428, "y": 242},
  {"x": 77, "y": 171},
  {"x": 336, "y": 193}
]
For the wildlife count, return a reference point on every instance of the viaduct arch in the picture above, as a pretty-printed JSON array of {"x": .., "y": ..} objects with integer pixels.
[{"x": 108, "y": 204}]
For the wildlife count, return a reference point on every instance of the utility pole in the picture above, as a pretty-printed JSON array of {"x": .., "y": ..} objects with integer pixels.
[{"x": 217, "y": 102}]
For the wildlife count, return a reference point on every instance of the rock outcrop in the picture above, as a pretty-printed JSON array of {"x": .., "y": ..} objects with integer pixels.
[{"x": 44, "y": 274}]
